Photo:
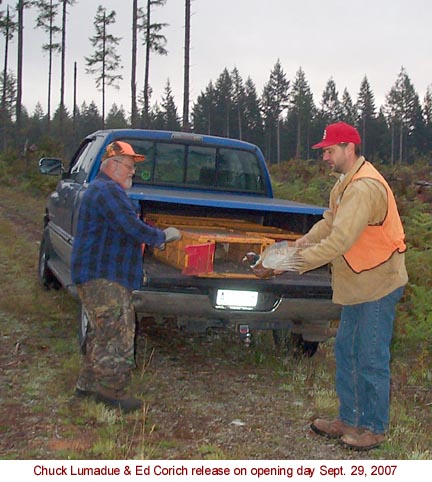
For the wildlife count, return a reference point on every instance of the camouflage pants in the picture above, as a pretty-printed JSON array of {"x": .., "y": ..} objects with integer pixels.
[{"x": 109, "y": 356}]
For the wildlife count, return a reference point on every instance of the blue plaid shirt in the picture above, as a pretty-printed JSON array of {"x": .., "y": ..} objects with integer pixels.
[{"x": 109, "y": 236}]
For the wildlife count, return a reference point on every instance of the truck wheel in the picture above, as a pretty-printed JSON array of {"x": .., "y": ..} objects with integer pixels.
[
  {"x": 294, "y": 343},
  {"x": 45, "y": 275},
  {"x": 83, "y": 326}
]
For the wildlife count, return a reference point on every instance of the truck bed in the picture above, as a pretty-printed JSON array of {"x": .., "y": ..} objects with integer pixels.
[{"x": 310, "y": 285}]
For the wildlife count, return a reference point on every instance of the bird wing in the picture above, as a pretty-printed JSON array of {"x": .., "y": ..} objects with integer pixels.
[{"x": 281, "y": 256}]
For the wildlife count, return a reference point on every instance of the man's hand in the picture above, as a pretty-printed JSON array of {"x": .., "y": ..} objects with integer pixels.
[
  {"x": 302, "y": 242},
  {"x": 172, "y": 234}
]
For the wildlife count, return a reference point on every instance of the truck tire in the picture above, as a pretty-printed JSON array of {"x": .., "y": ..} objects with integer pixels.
[
  {"x": 45, "y": 275},
  {"x": 83, "y": 325},
  {"x": 294, "y": 343}
]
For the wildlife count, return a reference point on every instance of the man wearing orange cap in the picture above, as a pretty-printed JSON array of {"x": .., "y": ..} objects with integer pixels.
[
  {"x": 362, "y": 237},
  {"x": 106, "y": 266}
]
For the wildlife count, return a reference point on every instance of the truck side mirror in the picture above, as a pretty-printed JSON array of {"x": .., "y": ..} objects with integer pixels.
[{"x": 51, "y": 166}]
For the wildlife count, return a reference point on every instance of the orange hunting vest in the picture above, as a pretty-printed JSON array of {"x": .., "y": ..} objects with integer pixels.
[{"x": 377, "y": 243}]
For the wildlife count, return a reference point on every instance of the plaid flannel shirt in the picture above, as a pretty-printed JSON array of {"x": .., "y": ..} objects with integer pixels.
[{"x": 109, "y": 236}]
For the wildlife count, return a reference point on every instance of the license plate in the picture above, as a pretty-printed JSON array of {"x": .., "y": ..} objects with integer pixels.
[{"x": 237, "y": 299}]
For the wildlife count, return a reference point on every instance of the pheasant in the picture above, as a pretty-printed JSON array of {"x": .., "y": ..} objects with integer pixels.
[{"x": 275, "y": 259}]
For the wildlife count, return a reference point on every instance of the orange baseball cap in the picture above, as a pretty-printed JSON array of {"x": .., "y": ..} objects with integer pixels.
[{"x": 121, "y": 148}]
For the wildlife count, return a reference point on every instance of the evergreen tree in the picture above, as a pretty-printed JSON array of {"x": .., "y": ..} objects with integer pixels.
[
  {"x": 382, "y": 137},
  {"x": 154, "y": 41},
  {"x": 171, "y": 120},
  {"x": 116, "y": 118},
  {"x": 253, "y": 130},
  {"x": 427, "y": 116},
  {"x": 223, "y": 99},
  {"x": 36, "y": 130},
  {"x": 331, "y": 109},
  {"x": 156, "y": 118},
  {"x": 38, "y": 113},
  {"x": 302, "y": 111},
  {"x": 238, "y": 101},
  {"x": 404, "y": 115},
  {"x": 203, "y": 111},
  {"x": 104, "y": 62},
  {"x": 7, "y": 28},
  {"x": 62, "y": 129},
  {"x": 274, "y": 102},
  {"x": 348, "y": 109},
  {"x": 366, "y": 112},
  {"x": 270, "y": 120},
  {"x": 21, "y": 5},
  {"x": 8, "y": 88},
  {"x": 46, "y": 21},
  {"x": 88, "y": 119}
]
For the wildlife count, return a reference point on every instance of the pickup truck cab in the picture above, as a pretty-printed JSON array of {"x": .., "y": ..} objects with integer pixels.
[{"x": 197, "y": 180}]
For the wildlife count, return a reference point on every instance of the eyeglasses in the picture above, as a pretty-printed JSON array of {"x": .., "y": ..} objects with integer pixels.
[{"x": 129, "y": 167}]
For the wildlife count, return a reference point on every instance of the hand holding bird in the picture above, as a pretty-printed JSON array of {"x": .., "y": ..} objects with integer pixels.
[{"x": 276, "y": 258}]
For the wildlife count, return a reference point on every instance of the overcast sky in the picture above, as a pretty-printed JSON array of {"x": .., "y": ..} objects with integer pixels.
[{"x": 343, "y": 39}]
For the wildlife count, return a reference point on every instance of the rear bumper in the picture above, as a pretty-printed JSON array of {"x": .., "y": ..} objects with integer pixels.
[{"x": 310, "y": 317}]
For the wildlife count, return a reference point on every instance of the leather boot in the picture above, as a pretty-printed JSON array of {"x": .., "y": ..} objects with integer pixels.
[
  {"x": 117, "y": 399},
  {"x": 362, "y": 440},
  {"x": 331, "y": 428},
  {"x": 81, "y": 393}
]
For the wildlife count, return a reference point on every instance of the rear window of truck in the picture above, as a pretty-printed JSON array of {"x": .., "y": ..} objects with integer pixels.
[{"x": 197, "y": 166}]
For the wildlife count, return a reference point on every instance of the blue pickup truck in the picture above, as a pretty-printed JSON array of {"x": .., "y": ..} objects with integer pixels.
[{"x": 197, "y": 180}]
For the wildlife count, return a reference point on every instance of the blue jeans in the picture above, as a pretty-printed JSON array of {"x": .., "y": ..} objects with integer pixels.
[{"x": 362, "y": 351}]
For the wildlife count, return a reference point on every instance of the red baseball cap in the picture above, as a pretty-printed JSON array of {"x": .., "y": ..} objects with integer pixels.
[{"x": 337, "y": 133}]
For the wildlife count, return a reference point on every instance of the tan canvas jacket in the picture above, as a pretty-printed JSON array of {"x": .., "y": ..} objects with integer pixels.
[{"x": 363, "y": 202}]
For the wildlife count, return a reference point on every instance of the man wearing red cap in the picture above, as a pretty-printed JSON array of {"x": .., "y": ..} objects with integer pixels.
[
  {"x": 362, "y": 237},
  {"x": 107, "y": 265}
]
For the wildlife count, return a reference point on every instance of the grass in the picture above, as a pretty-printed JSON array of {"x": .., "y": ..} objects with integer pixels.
[{"x": 41, "y": 419}]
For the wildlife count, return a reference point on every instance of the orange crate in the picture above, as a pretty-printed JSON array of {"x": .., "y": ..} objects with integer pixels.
[
  {"x": 212, "y": 252},
  {"x": 179, "y": 221},
  {"x": 234, "y": 225},
  {"x": 214, "y": 247}
]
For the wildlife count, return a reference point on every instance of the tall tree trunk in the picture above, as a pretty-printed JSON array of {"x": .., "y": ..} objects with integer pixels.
[
  {"x": 269, "y": 144},
  {"x": 401, "y": 143},
  {"x": 3, "y": 114},
  {"x": 103, "y": 70},
  {"x": 363, "y": 139},
  {"x": 392, "y": 143},
  {"x": 134, "y": 116},
  {"x": 50, "y": 57},
  {"x": 74, "y": 114},
  {"x": 186, "y": 86},
  {"x": 63, "y": 66},
  {"x": 209, "y": 123},
  {"x": 227, "y": 119},
  {"x": 278, "y": 141},
  {"x": 20, "y": 64},
  {"x": 298, "y": 138},
  {"x": 6, "y": 54},
  {"x": 146, "y": 113}
]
